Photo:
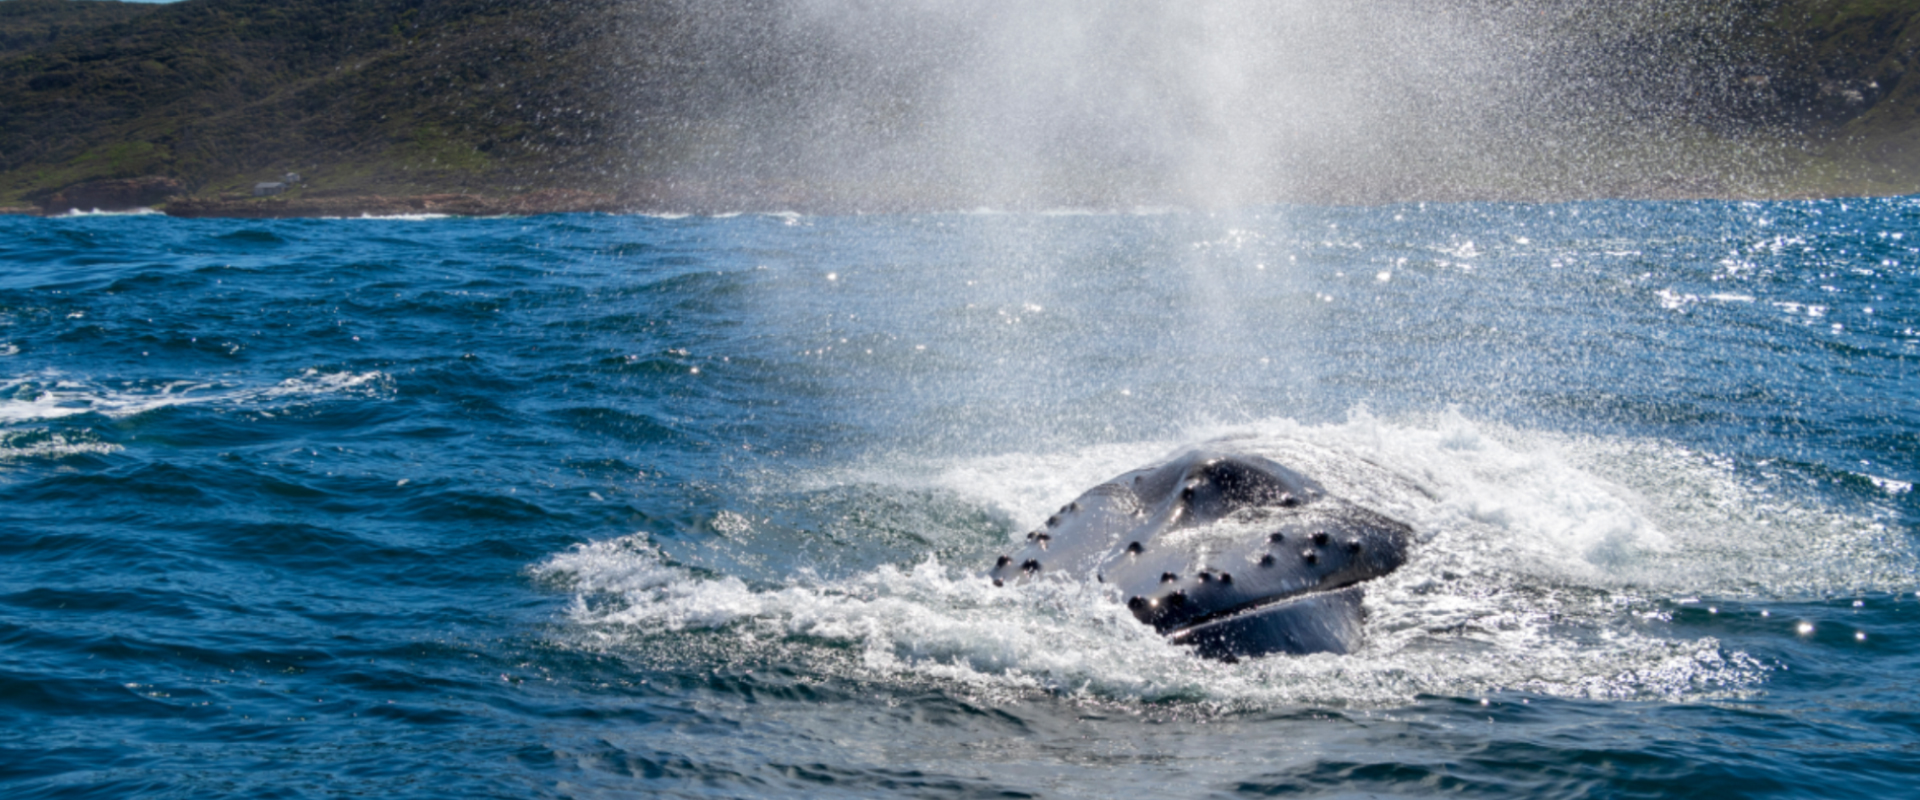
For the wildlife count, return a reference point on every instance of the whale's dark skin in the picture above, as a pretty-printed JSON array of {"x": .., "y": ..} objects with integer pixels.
[{"x": 1233, "y": 554}]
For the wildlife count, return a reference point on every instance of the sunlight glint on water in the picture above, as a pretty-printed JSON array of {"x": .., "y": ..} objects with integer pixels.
[{"x": 574, "y": 505}]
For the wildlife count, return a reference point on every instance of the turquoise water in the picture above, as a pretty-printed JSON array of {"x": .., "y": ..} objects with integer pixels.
[{"x": 595, "y": 506}]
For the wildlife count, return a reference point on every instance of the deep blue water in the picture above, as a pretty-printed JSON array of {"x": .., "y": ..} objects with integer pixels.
[{"x": 595, "y": 506}]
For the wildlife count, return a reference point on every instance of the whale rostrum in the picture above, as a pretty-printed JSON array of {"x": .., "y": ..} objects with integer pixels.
[{"x": 1233, "y": 554}]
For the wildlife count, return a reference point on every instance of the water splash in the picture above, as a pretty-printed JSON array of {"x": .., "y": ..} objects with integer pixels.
[{"x": 1549, "y": 564}]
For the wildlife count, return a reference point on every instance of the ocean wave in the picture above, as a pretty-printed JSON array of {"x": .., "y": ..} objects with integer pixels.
[
  {"x": 403, "y": 217},
  {"x": 136, "y": 212}
]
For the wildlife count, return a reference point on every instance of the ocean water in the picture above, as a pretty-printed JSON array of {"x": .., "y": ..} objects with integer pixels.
[{"x": 619, "y": 506}]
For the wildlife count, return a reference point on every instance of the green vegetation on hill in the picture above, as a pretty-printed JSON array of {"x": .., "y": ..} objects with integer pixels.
[
  {"x": 32, "y": 24},
  {"x": 1860, "y": 70},
  {"x": 755, "y": 102},
  {"x": 357, "y": 95}
]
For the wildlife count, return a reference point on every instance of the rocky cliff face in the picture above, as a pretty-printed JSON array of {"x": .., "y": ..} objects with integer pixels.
[{"x": 121, "y": 194}]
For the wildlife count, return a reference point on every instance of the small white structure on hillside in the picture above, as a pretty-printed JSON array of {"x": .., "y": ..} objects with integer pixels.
[{"x": 268, "y": 188}]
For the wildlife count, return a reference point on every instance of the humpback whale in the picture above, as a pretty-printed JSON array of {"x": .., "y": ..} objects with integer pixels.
[{"x": 1232, "y": 554}]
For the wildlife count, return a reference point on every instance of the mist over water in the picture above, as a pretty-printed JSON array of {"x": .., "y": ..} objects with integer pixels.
[{"x": 1064, "y": 103}]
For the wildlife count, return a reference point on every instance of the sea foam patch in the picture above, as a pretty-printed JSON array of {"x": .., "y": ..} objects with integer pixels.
[
  {"x": 52, "y": 394},
  {"x": 40, "y": 443},
  {"x": 134, "y": 212},
  {"x": 1547, "y": 563},
  {"x": 931, "y": 622}
]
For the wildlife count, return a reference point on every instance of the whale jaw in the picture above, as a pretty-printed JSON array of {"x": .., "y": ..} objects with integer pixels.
[
  {"x": 1232, "y": 554},
  {"x": 1323, "y": 622}
]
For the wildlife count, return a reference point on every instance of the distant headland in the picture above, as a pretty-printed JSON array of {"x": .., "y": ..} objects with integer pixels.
[{"x": 276, "y": 108}]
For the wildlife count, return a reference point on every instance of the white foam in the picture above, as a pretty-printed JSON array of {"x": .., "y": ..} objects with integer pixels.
[
  {"x": 20, "y": 445},
  {"x": 52, "y": 394},
  {"x": 136, "y": 212},
  {"x": 1675, "y": 301},
  {"x": 1542, "y": 558},
  {"x": 1889, "y": 485}
]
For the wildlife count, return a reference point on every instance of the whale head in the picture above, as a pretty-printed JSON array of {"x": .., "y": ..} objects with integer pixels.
[{"x": 1233, "y": 554}]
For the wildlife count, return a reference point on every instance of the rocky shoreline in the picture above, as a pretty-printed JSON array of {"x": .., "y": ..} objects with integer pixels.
[
  {"x": 166, "y": 196},
  {"x": 552, "y": 201},
  {"x": 170, "y": 197}
]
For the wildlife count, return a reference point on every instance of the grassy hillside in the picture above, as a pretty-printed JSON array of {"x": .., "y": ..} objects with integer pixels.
[
  {"x": 32, "y": 24},
  {"x": 1859, "y": 84},
  {"x": 758, "y": 102},
  {"x": 356, "y": 94}
]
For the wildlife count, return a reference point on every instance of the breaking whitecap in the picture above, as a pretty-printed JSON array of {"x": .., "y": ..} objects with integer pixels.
[{"x": 52, "y": 394}]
